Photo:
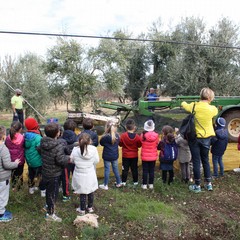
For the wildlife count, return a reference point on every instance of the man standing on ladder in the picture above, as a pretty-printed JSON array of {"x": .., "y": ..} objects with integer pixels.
[{"x": 17, "y": 106}]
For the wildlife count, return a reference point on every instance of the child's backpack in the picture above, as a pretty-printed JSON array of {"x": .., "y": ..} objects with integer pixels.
[{"x": 169, "y": 152}]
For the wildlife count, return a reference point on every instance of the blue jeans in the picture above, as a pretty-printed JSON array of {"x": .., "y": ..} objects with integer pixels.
[
  {"x": 107, "y": 171},
  {"x": 200, "y": 150},
  {"x": 217, "y": 160}
]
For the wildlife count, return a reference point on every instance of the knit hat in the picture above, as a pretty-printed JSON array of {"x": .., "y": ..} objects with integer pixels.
[
  {"x": 31, "y": 124},
  {"x": 149, "y": 125},
  {"x": 221, "y": 122}
]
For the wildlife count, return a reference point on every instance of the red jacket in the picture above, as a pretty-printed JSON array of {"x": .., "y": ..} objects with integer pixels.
[
  {"x": 149, "y": 146},
  {"x": 130, "y": 146}
]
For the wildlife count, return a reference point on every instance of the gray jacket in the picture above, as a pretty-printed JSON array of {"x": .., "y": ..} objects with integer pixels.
[
  {"x": 5, "y": 163},
  {"x": 184, "y": 154}
]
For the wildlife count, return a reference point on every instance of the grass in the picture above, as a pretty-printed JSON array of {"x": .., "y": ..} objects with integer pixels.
[{"x": 167, "y": 212}]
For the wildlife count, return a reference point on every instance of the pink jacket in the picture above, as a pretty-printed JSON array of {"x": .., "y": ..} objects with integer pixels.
[{"x": 149, "y": 146}]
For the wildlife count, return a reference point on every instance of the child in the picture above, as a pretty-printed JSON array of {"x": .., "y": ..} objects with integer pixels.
[
  {"x": 5, "y": 173},
  {"x": 149, "y": 154},
  {"x": 70, "y": 138},
  {"x": 53, "y": 158},
  {"x": 184, "y": 157},
  {"x": 168, "y": 153},
  {"x": 32, "y": 142},
  {"x": 219, "y": 145},
  {"x": 88, "y": 126},
  {"x": 130, "y": 142},
  {"x": 84, "y": 180},
  {"x": 110, "y": 142},
  {"x": 15, "y": 145}
]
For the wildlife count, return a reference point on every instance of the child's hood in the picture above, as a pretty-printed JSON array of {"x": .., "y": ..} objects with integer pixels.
[
  {"x": 87, "y": 155},
  {"x": 18, "y": 139},
  {"x": 221, "y": 133},
  {"x": 69, "y": 136},
  {"x": 48, "y": 143},
  {"x": 151, "y": 136}
]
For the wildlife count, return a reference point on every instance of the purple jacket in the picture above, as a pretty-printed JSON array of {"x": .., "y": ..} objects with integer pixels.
[{"x": 16, "y": 147}]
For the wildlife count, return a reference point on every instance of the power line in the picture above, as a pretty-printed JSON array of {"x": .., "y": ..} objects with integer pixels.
[{"x": 118, "y": 38}]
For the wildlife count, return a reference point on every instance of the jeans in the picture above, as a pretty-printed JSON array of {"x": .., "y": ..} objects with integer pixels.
[
  {"x": 107, "y": 171},
  {"x": 200, "y": 150},
  {"x": 19, "y": 117},
  {"x": 148, "y": 171},
  {"x": 217, "y": 160},
  {"x": 133, "y": 164}
]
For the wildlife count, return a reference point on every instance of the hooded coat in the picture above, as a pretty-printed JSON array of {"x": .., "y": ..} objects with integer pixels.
[
  {"x": 220, "y": 141},
  {"x": 32, "y": 142},
  {"x": 16, "y": 147},
  {"x": 53, "y": 157},
  {"x": 84, "y": 180},
  {"x": 149, "y": 146}
]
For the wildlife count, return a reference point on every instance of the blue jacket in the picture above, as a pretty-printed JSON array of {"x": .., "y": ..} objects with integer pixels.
[
  {"x": 70, "y": 138},
  {"x": 220, "y": 141},
  {"x": 93, "y": 136},
  {"x": 110, "y": 151}
]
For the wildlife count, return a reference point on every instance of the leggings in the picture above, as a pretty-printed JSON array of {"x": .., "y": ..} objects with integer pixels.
[{"x": 83, "y": 201}]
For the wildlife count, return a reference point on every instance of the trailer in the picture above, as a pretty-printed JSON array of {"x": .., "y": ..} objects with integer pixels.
[{"x": 229, "y": 109}]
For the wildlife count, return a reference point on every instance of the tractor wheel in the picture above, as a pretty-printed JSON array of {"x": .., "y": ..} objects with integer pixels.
[{"x": 232, "y": 124}]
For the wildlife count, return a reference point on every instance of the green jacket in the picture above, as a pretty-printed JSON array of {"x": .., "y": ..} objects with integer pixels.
[{"x": 32, "y": 141}]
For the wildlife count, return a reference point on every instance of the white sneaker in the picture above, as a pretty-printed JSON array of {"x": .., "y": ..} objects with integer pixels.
[
  {"x": 236, "y": 170},
  {"x": 150, "y": 186},
  {"x": 90, "y": 210},
  {"x": 81, "y": 212},
  {"x": 53, "y": 218},
  {"x": 124, "y": 184},
  {"x": 135, "y": 183},
  {"x": 43, "y": 193},
  {"x": 104, "y": 187},
  {"x": 144, "y": 186},
  {"x": 31, "y": 190}
]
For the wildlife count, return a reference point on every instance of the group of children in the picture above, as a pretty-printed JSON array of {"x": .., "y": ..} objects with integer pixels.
[{"x": 53, "y": 157}]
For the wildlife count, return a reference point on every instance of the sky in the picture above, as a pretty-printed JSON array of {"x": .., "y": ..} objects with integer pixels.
[{"x": 98, "y": 18}]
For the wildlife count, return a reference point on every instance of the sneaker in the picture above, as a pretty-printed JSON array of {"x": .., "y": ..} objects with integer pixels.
[
  {"x": 104, "y": 187},
  {"x": 208, "y": 187},
  {"x": 66, "y": 198},
  {"x": 43, "y": 193},
  {"x": 144, "y": 186},
  {"x": 7, "y": 217},
  {"x": 135, "y": 183},
  {"x": 237, "y": 170},
  {"x": 53, "y": 217},
  {"x": 81, "y": 212},
  {"x": 35, "y": 189},
  {"x": 119, "y": 185},
  {"x": 124, "y": 184},
  {"x": 90, "y": 210},
  {"x": 150, "y": 186},
  {"x": 195, "y": 188},
  {"x": 31, "y": 190}
]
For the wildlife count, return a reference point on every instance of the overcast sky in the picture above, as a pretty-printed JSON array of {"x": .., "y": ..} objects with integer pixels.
[{"x": 97, "y": 17}]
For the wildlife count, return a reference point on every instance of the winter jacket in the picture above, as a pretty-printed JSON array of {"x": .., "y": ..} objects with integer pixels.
[
  {"x": 53, "y": 157},
  {"x": 5, "y": 163},
  {"x": 16, "y": 147},
  {"x": 71, "y": 139},
  {"x": 149, "y": 146},
  {"x": 220, "y": 142},
  {"x": 164, "y": 165},
  {"x": 84, "y": 180},
  {"x": 184, "y": 154},
  {"x": 32, "y": 142},
  {"x": 130, "y": 145},
  {"x": 110, "y": 151},
  {"x": 93, "y": 136},
  {"x": 204, "y": 113}
]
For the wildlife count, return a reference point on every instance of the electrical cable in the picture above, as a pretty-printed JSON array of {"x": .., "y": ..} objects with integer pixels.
[{"x": 122, "y": 39}]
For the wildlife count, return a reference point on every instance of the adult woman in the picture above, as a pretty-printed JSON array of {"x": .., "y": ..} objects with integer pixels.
[{"x": 204, "y": 114}]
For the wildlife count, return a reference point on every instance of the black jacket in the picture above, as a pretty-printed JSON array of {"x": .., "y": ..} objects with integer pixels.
[
  {"x": 53, "y": 157},
  {"x": 220, "y": 141}
]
